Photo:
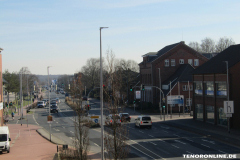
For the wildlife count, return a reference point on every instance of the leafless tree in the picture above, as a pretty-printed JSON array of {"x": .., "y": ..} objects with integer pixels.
[
  {"x": 81, "y": 139},
  {"x": 224, "y": 43},
  {"x": 208, "y": 45},
  {"x": 117, "y": 134},
  {"x": 195, "y": 45}
]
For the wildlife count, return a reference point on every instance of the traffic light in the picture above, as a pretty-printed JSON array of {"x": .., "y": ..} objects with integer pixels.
[
  {"x": 68, "y": 86},
  {"x": 104, "y": 86},
  {"x": 56, "y": 87},
  {"x": 88, "y": 107},
  {"x": 130, "y": 87},
  {"x": 143, "y": 87},
  {"x": 163, "y": 104},
  {"x": 34, "y": 87},
  {"x": 62, "y": 84},
  {"x": 134, "y": 101}
]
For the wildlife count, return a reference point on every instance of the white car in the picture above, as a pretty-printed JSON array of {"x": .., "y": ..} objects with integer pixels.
[
  {"x": 4, "y": 139},
  {"x": 143, "y": 121},
  {"x": 110, "y": 119},
  {"x": 41, "y": 104}
]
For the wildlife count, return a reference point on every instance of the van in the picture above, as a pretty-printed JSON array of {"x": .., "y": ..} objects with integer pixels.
[
  {"x": 4, "y": 139},
  {"x": 143, "y": 121}
]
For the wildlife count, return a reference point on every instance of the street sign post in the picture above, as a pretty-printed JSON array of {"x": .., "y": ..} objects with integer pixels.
[
  {"x": 177, "y": 99},
  {"x": 228, "y": 107},
  {"x": 138, "y": 94},
  {"x": 49, "y": 119}
]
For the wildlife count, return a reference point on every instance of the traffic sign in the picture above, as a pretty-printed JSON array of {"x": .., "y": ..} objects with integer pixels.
[
  {"x": 96, "y": 120},
  {"x": 94, "y": 116},
  {"x": 228, "y": 115},
  {"x": 228, "y": 107},
  {"x": 49, "y": 119}
]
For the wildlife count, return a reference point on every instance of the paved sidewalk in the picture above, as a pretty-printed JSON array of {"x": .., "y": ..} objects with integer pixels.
[{"x": 27, "y": 144}]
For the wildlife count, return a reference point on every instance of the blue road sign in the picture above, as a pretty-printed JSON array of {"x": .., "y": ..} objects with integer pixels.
[{"x": 96, "y": 120}]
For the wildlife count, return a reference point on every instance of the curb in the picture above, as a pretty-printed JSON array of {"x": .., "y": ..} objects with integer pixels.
[{"x": 52, "y": 141}]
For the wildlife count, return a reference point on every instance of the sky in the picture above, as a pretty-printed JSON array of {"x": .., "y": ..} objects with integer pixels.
[{"x": 63, "y": 34}]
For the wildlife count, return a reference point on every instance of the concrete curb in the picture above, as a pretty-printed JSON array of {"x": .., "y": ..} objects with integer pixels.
[{"x": 45, "y": 134}]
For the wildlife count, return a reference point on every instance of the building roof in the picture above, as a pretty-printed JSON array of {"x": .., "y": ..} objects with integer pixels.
[
  {"x": 217, "y": 65},
  {"x": 182, "y": 74}
]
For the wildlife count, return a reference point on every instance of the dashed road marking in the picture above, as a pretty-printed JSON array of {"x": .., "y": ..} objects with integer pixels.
[
  {"x": 71, "y": 131},
  {"x": 175, "y": 146},
  {"x": 222, "y": 152},
  {"x": 153, "y": 143},
  {"x": 151, "y": 135},
  {"x": 96, "y": 144},
  {"x": 141, "y": 131},
  {"x": 205, "y": 145},
  {"x": 179, "y": 141},
  {"x": 189, "y": 152}
]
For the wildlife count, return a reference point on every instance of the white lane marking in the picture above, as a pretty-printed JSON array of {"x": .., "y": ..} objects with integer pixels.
[
  {"x": 189, "y": 152},
  {"x": 205, "y": 145},
  {"x": 63, "y": 127},
  {"x": 151, "y": 135},
  {"x": 71, "y": 131},
  {"x": 165, "y": 127},
  {"x": 163, "y": 150},
  {"x": 179, "y": 141},
  {"x": 55, "y": 129},
  {"x": 96, "y": 144},
  {"x": 176, "y": 135},
  {"x": 153, "y": 143},
  {"x": 145, "y": 149},
  {"x": 141, "y": 131},
  {"x": 189, "y": 139},
  {"x": 175, "y": 146},
  {"x": 17, "y": 121},
  {"x": 208, "y": 141},
  {"x": 56, "y": 122},
  {"x": 165, "y": 131},
  {"x": 222, "y": 152}
]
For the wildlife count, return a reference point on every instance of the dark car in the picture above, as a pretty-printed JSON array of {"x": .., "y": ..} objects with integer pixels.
[
  {"x": 124, "y": 117},
  {"x": 54, "y": 109},
  {"x": 66, "y": 94}
]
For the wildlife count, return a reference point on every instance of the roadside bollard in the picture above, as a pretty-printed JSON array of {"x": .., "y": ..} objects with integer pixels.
[{"x": 57, "y": 147}]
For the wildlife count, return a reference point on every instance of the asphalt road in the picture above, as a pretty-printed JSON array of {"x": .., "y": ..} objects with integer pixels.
[{"x": 160, "y": 142}]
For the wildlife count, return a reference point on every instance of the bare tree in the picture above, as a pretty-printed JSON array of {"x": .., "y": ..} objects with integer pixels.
[
  {"x": 117, "y": 134},
  {"x": 208, "y": 45},
  {"x": 81, "y": 141},
  {"x": 195, "y": 45},
  {"x": 224, "y": 43}
]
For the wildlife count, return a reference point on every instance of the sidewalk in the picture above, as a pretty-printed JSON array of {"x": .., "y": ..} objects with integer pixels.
[{"x": 27, "y": 144}]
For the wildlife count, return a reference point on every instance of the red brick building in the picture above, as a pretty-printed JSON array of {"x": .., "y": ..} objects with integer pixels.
[
  {"x": 175, "y": 63},
  {"x": 210, "y": 88},
  {"x": 1, "y": 90}
]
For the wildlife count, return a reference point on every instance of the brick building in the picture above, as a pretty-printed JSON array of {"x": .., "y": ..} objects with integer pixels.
[
  {"x": 1, "y": 90},
  {"x": 210, "y": 88},
  {"x": 171, "y": 62}
]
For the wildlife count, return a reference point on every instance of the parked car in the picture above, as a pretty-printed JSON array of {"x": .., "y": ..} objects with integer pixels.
[
  {"x": 124, "y": 117},
  {"x": 4, "y": 139},
  {"x": 41, "y": 104},
  {"x": 143, "y": 121},
  {"x": 58, "y": 100},
  {"x": 110, "y": 119},
  {"x": 53, "y": 109}
]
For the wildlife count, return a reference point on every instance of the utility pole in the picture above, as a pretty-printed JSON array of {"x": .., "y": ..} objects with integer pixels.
[
  {"x": 160, "y": 103},
  {"x": 21, "y": 96}
]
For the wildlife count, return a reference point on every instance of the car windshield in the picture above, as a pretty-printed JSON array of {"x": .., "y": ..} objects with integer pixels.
[
  {"x": 146, "y": 118},
  {"x": 3, "y": 137}
]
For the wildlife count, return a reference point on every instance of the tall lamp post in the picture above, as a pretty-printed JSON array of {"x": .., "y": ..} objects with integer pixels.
[
  {"x": 101, "y": 96},
  {"x": 227, "y": 95},
  {"x": 49, "y": 103}
]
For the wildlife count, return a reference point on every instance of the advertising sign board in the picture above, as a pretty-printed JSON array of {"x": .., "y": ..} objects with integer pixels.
[
  {"x": 176, "y": 99},
  {"x": 138, "y": 94}
]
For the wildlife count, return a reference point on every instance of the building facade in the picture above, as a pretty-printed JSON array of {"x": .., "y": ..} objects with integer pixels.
[
  {"x": 211, "y": 83},
  {"x": 159, "y": 68}
]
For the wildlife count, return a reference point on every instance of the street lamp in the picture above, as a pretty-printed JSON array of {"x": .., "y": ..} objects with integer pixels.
[
  {"x": 49, "y": 103},
  {"x": 101, "y": 95},
  {"x": 227, "y": 94}
]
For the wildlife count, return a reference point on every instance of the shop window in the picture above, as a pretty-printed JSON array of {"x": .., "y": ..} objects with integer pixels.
[
  {"x": 210, "y": 114},
  {"x": 199, "y": 111},
  {"x": 209, "y": 88},
  {"x": 221, "y": 89},
  {"x": 189, "y": 101},
  {"x": 185, "y": 87},
  {"x": 198, "y": 88}
]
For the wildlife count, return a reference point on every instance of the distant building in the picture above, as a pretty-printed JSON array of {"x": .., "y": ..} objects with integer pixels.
[{"x": 210, "y": 88}]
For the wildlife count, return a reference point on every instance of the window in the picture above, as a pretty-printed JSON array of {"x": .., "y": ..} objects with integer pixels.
[
  {"x": 199, "y": 111},
  {"x": 190, "y": 61},
  {"x": 181, "y": 61},
  {"x": 221, "y": 89},
  {"x": 189, "y": 101},
  {"x": 198, "y": 88},
  {"x": 172, "y": 62},
  {"x": 191, "y": 87},
  {"x": 166, "y": 62},
  {"x": 210, "y": 114},
  {"x": 196, "y": 62},
  {"x": 209, "y": 89},
  {"x": 185, "y": 87}
]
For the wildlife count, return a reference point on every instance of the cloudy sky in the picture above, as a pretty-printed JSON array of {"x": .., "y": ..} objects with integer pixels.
[{"x": 65, "y": 33}]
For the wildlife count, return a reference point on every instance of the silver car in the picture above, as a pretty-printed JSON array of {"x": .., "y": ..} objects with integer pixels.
[{"x": 143, "y": 121}]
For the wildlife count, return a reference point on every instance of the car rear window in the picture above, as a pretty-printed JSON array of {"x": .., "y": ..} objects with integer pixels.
[
  {"x": 146, "y": 118},
  {"x": 3, "y": 137},
  {"x": 40, "y": 102},
  {"x": 125, "y": 115}
]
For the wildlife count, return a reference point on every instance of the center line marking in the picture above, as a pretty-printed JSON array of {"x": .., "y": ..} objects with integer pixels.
[
  {"x": 153, "y": 143},
  {"x": 175, "y": 146},
  {"x": 205, "y": 145}
]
